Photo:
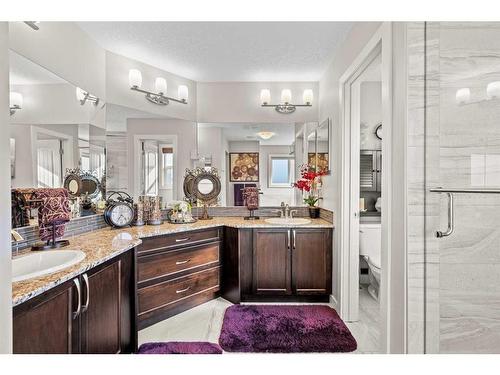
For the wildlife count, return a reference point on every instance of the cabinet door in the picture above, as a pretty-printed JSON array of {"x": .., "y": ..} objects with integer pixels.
[
  {"x": 271, "y": 261},
  {"x": 101, "y": 310},
  {"x": 311, "y": 261},
  {"x": 46, "y": 324}
]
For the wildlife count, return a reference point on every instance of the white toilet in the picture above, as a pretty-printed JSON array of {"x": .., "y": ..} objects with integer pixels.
[{"x": 370, "y": 237}]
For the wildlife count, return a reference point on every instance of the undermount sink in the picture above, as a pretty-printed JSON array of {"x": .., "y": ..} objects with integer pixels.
[
  {"x": 44, "y": 262},
  {"x": 292, "y": 221}
]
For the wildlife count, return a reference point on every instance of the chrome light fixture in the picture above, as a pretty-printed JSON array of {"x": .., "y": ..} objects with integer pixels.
[
  {"x": 83, "y": 96},
  {"x": 286, "y": 98},
  {"x": 158, "y": 97},
  {"x": 16, "y": 102},
  {"x": 33, "y": 24}
]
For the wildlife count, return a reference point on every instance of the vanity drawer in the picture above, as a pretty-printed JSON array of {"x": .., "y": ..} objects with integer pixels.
[
  {"x": 150, "y": 245},
  {"x": 170, "y": 262},
  {"x": 160, "y": 296}
]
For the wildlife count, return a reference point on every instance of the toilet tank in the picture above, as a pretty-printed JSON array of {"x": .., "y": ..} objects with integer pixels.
[{"x": 370, "y": 240}]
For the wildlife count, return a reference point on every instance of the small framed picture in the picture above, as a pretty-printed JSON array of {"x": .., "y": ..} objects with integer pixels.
[{"x": 244, "y": 166}]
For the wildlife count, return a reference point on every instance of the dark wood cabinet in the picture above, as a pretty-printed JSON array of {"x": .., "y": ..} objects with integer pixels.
[
  {"x": 287, "y": 264},
  {"x": 311, "y": 261},
  {"x": 271, "y": 261},
  {"x": 93, "y": 313},
  {"x": 177, "y": 272},
  {"x": 45, "y": 324}
]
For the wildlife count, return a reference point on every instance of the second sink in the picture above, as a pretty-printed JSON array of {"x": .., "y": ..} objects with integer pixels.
[
  {"x": 283, "y": 221},
  {"x": 44, "y": 262}
]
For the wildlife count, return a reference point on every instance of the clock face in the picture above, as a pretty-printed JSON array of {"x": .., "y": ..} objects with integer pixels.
[
  {"x": 378, "y": 131},
  {"x": 121, "y": 215}
]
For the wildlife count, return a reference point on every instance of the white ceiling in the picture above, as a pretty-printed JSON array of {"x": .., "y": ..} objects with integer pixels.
[
  {"x": 226, "y": 51},
  {"x": 284, "y": 134},
  {"x": 25, "y": 72}
]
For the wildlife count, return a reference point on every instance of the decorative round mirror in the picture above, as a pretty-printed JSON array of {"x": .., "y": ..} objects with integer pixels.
[
  {"x": 90, "y": 185},
  {"x": 73, "y": 183},
  {"x": 202, "y": 186}
]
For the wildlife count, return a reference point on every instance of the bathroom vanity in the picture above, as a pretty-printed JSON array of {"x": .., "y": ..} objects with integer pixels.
[{"x": 135, "y": 277}]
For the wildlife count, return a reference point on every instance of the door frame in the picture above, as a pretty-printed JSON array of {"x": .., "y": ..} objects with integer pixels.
[
  {"x": 381, "y": 42},
  {"x": 67, "y": 145}
]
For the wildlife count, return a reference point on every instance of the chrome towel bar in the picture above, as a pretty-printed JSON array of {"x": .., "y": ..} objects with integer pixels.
[{"x": 449, "y": 192}]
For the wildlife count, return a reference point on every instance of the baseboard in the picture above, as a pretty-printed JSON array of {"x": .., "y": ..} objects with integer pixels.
[{"x": 333, "y": 302}]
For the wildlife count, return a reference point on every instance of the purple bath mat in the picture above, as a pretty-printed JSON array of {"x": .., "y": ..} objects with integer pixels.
[
  {"x": 284, "y": 329},
  {"x": 174, "y": 347}
]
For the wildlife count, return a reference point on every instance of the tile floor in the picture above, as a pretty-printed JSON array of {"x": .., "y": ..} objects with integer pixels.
[{"x": 204, "y": 322}]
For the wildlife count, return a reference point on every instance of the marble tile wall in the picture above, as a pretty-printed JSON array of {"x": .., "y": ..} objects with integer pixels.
[{"x": 457, "y": 293}]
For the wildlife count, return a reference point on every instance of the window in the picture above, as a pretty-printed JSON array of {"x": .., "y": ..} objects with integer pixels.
[
  {"x": 281, "y": 171},
  {"x": 158, "y": 169}
]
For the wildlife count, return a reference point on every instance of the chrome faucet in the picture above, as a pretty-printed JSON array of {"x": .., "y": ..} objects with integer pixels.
[{"x": 287, "y": 211}]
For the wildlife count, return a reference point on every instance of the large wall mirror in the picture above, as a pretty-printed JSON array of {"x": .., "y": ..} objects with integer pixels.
[
  {"x": 52, "y": 134},
  {"x": 267, "y": 156}
]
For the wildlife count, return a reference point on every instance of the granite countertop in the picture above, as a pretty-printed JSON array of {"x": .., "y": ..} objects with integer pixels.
[{"x": 107, "y": 243}]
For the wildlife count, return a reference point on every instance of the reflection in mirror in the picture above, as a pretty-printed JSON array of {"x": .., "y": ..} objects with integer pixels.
[
  {"x": 205, "y": 186},
  {"x": 322, "y": 161},
  {"x": 266, "y": 156},
  {"x": 52, "y": 132}
]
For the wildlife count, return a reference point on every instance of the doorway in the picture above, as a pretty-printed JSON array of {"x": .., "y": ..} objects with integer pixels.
[{"x": 375, "y": 58}]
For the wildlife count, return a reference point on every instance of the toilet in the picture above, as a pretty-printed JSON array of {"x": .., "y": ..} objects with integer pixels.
[{"x": 370, "y": 236}]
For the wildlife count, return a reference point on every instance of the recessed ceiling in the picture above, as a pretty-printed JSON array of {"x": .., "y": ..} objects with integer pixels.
[
  {"x": 284, "y": 133},
  {"x": 226, "y": 51}
]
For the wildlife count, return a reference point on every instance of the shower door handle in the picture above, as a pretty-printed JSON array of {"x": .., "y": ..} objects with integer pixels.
[{"x": 450, "y": 229}]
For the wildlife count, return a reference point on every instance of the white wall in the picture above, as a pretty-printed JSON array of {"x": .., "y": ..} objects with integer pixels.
[
  {"x": 371, "y": 115},
  {"x": 52, "y": 104},
  {"x": 329, "y": 107},
  {"x": 5, "y": 247},
  {"x": 64, "y": 49},
  {"x": 240, "y": 102},
  {"x": 118, "y": 89},
  {"x": 186, "y": 143}
]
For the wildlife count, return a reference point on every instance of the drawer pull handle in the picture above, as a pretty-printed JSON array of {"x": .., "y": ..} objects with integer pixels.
[
  {"x": 179, "y": 262},
  {"x": 182, "y": 239},
  {"x": 182, "y": 290}
]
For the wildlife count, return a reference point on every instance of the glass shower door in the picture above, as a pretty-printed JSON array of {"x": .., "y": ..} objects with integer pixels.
[{"x": 462, "y": 154}]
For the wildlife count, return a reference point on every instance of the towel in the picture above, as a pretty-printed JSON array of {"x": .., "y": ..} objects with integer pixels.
[
  {"x": 251, "y": 196},
  {"x": 53, "y": 212}
]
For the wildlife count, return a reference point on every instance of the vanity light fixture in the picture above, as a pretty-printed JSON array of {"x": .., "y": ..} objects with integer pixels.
[
  {"x": 265, "y": 135},
  {"x": 33, "y": 24},
  {"x": 83, "y": 96},
  {"x": 158, "y": 97},
  {"x": 286, "y": 105},
  {"x": 16, "y": 102},
  {"x": 462, "y": 96},
  {"x": 493, "y": 90}
]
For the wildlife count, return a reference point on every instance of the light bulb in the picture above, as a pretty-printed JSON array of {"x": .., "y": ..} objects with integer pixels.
[
  {"x": 493, "y": 90},
  {"x": 183, "y": 93},
  {"x": 308, "y": 96},
  {"x": 265, "y": 135},
  {"x": 265, "y": 96},
  {"x": 161, "y": 85},
  {"x": 463, "y": 95},
  {"x": 16, "y": 100},
  {"x": 80, "y": 94},
  {"x": 286, "y": 96},
  {"x": 134, "y": 78}
]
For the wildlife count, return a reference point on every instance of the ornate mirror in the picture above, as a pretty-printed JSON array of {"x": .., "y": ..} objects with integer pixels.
[
  {"x": 90, "y": 185},
  {"x": 73, "y": 182},
  {"x": 202, "y": 185}
]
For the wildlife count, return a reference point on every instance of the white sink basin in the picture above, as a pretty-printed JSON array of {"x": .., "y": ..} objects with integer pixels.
[
  {"x": 283, "y": 221},
  {"x": 44, "y": 262}
]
